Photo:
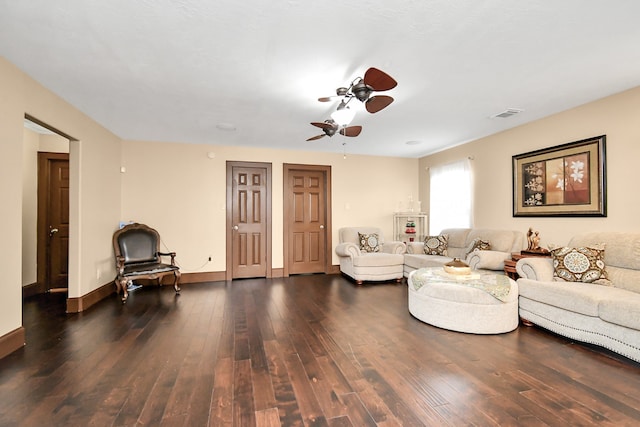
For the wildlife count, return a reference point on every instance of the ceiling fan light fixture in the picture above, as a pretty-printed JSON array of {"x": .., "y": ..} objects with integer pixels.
[
  {"x": 361, "y": 88},
  {"x": 343, "y": 115}
]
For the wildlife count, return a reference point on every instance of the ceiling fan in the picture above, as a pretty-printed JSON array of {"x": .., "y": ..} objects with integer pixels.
[
  {"x": 362, "y": 88},
  {"x": 330, "y": 127}
]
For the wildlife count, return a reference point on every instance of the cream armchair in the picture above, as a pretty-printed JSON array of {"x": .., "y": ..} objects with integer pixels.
[{"x": 385, "y": 264}]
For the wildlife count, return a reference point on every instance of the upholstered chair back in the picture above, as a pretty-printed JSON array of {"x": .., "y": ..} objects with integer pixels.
[
  {"x": 350, "y": 234},
  {"x": 138, "y": 245}
]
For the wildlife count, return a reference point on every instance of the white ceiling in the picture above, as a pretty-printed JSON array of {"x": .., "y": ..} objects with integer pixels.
[{"x": 169, "y": 70}]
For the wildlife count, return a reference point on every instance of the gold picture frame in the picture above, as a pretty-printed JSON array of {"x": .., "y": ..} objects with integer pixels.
[{"x": 565, "y": 180}]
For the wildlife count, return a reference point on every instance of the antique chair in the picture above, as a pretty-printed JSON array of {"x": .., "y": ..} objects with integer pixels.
[
  {"x": 364, "y": 255},
  {"x": 138, "y": 256}
]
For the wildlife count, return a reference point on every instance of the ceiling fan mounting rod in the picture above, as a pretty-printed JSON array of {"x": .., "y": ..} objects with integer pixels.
[
  {"x": 348, "y": 92},
  {"x": 344, "y": 104}
]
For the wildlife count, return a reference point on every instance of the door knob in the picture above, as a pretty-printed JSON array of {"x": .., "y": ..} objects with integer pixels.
[
  {"x": 235, "y": 227},
  {"x": 52, "y": 231},
  {"x": 322, "y": 227}
]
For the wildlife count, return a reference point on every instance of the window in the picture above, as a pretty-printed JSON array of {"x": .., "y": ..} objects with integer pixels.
[{"x": 450, "y": 196}]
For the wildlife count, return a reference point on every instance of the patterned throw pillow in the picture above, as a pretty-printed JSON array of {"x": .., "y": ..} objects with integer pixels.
[
  {"x": 369, "y": 242},
  {"x": 436, "y": 245},
  {"x": 584, "y": 264},
  {"x": 478, "y": 245}
]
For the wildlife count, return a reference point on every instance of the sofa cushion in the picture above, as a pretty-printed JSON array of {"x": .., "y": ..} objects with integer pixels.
[
  {"x": 583, "y": 298},
  {"x": 621, "y": 309},
  {"x": 457, "y": 237},
  {"x": 369, "y": 242},
  {"x": 421, "y": 261},
  {"x": 582, "y": 264},
  {"x": 623, "y": 249},
  {"x": 624, "y": 278},
  {"x": 378, "y": 259},
  {"x": 436, "y": 245},
  {"x": 415, "y": 247},
  {"x": 501, "y": 240}
]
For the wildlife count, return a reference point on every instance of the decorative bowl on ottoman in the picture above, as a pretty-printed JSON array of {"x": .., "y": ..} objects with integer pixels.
[{"x": 457, "y": 267}]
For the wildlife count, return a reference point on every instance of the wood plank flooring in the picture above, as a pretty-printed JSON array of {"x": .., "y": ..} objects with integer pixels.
[{"x": 301, "y": 351}]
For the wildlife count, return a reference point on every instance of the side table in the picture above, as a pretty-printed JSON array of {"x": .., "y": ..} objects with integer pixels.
[{"x": 510, "y": 264}]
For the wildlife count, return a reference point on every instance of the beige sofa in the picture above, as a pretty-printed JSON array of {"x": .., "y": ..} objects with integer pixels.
[
  {"x": 387, "y": 264},
  {"x": 503, "y": 243},
  {"x": 608, "y": 316}
]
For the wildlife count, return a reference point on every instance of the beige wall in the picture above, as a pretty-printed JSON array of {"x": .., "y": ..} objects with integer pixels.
[
  {"x": 182, "y": 193},
  {"x": 52, "y": 144},
  {"x": 95, "y": 192},
  {"x": 11, "y": 119},
  {"x": 616, "y": 116}
]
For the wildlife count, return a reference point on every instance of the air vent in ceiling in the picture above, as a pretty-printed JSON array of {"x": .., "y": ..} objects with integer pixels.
[{"x": 507, "y": 113}]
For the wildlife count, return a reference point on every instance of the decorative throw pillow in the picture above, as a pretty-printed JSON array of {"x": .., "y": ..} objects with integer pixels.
[
  {"x": 436, "y": 245},
  {"x": 369, "y": 242},
  {"x": 478, "y": 245},
  {"x": 584, "y": 264}
]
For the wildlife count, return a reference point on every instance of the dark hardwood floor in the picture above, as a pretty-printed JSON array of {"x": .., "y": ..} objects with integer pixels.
[{"x": 306, "y": 350}]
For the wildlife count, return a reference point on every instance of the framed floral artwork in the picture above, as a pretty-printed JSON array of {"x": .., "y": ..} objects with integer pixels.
[{"x": 565, "y": 180}]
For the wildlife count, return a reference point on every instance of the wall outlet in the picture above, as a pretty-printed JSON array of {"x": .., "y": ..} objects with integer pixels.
[{"x": 98, "y": 273}]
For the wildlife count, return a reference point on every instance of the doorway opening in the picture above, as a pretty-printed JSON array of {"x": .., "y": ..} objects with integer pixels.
[{"x": 45, "y": 209}]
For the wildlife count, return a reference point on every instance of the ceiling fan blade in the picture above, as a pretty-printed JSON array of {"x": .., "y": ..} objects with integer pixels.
[
  {"x": 313, "y": 138},
  {"x": 379, "y": 80},
  {"x": 351, "y": 131},
  {"x": 377, "y": 103},
  {"x": 323, "y": 125},
  {"x": 326, "y": 98}
]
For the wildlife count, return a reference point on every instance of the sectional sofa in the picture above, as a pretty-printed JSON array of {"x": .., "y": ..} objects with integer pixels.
[
  {"x": 605, "y": 312},
  {"x": 460, "y": 244}
]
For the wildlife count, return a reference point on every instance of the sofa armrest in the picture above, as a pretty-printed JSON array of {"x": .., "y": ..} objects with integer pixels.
[
  {"x": 535, "y": 268},
  {"x": 393, "y": 248},
  {"x": 348, "y": 250},
  {"x": 487, "y": 260}
]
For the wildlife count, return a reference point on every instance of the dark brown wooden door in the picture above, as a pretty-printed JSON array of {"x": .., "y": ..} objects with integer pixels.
[
  {"x": 54, "y": 234},
  {"x": 307, "y": 221},
  {"x": 250, "y": 220}
]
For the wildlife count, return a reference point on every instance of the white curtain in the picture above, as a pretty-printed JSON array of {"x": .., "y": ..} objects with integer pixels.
[{"x": 450, "y": 196}]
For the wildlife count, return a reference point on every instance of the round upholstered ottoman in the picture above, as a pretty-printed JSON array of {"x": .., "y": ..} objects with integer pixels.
[{"x": 481, "y": 303}]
